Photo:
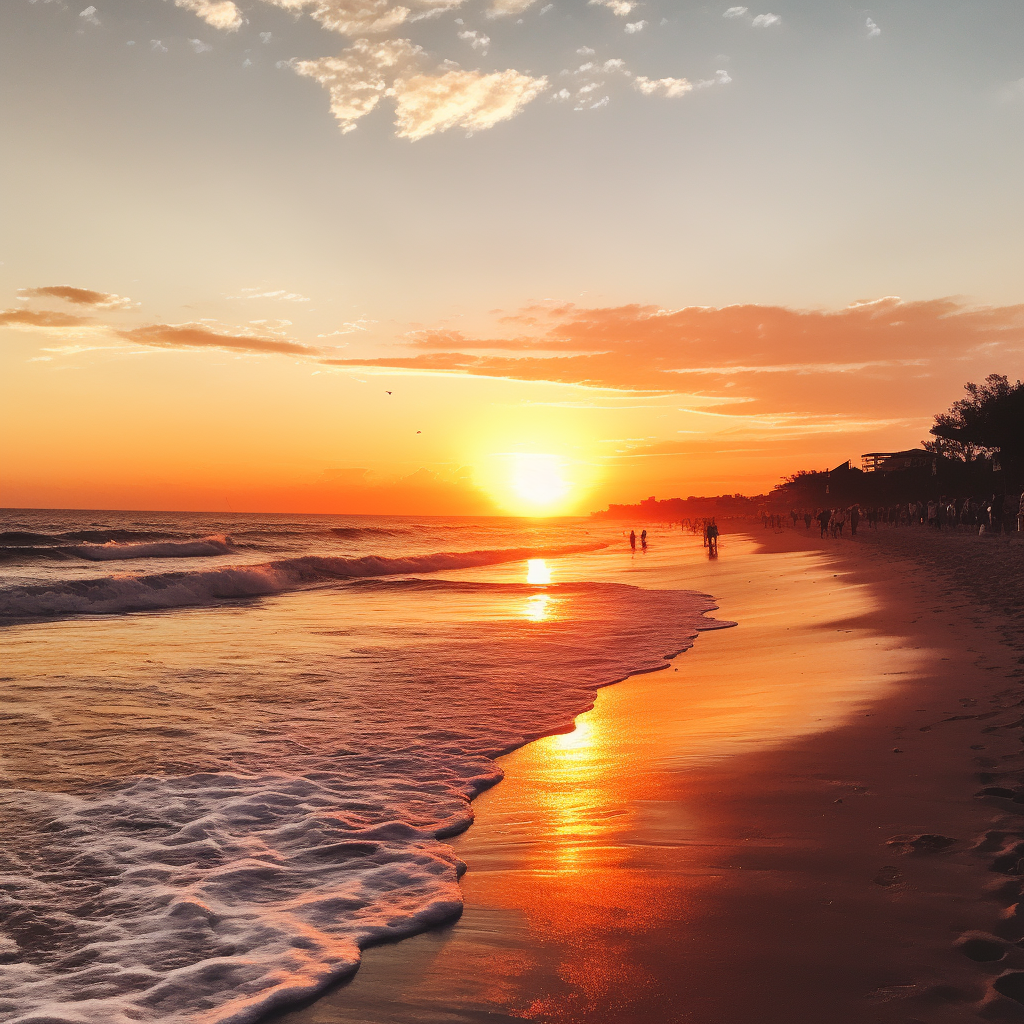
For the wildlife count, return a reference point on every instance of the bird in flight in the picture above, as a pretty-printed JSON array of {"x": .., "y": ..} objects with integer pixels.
[{"x": 387, "y": 392}]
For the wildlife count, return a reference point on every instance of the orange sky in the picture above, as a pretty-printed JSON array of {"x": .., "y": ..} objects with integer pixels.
[
  {"x": 558, "y": 409},
  {"x": 475, "y": 256}
]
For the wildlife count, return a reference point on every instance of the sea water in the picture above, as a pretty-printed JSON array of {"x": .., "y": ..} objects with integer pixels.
[{"x": 234, "y": 746}]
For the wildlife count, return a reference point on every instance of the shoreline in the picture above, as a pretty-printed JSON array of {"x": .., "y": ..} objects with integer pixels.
[{"x": 756, "y": 881}]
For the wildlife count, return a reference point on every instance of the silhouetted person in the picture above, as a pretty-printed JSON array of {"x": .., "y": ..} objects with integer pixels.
[
  {"x": 823, "y": 518},
  {"x": 632, "y": 539},
  {"x": 854, "y": 520},
  {"x": 712, "y": 539},
  {"x": 643, "y": 539}
]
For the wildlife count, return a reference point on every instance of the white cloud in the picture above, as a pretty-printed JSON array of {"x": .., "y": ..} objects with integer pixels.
[
  {"x": 735, "y": 12},
  {"x": 506, "y": 8},
  {"x": 89, "y": 15},
  {"x": 586, "y": 51},
  {"x": 477, "y": 40},
  {"x": 222, "y": 14},
  {"x": 349, "y": 16},
  {"x": 156, "y": 46},
  {"x": 426, "y": 104},
  {"x": 635, "y": 26},
  {"x": 670, "y": 87},
  {"x": 546, "y": 8},
  {"x": 619, "y": 7},
  {"x": 766, "y": 20},
  {"x": 199, "y": 46},
  {"x": 721, "y": 78},
  {"x": 873, "y": 29},
  {"x": 265, "y": 37},
  {"x": 360, "y": 76},
  {"x": 280, "y": 294}
]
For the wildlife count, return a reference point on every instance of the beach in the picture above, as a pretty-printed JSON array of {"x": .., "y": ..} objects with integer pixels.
[{"x": 785, "y": 829}]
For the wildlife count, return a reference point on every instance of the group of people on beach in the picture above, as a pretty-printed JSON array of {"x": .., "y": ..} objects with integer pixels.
[
  {"x": 993, "y": 515},
  {"x": 643, "y": 540},
  {"x": 707, "y": 527}
]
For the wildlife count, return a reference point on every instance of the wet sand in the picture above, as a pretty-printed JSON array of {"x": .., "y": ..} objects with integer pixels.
[{"x": 713, "y": 842}]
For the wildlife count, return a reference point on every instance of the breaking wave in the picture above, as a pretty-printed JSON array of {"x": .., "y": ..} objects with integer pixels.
[
  {"x": 188, "y": 895},
  {"x": 111, "y": 595}
]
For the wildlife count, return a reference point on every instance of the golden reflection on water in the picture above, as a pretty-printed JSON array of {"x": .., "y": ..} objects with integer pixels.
[{"x": 537, "y": 607}]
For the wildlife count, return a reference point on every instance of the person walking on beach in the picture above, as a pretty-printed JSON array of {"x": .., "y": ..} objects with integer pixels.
[
  {"x": 643, "y": 539},
  {"x": 712, "y": 540},
  {"x": 854, "y": 520},
  {"x": 823, "y": 516},
  {"x": 632, "y": 540}
]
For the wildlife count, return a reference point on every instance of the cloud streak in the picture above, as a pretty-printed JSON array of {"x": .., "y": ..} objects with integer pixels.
[
  {"x": 199, "y": 336},
  {"x": 78, "y": 296}
]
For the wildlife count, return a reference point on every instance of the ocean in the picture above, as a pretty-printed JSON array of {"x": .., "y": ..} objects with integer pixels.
[{"x": 234, "y": 745}]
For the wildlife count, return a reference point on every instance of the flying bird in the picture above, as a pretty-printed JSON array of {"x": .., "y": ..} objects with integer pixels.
[
  {"x": 419, "y": 431},
  {"x": 387, "y": 392}
]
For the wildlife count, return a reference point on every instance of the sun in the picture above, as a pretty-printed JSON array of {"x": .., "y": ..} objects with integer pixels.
[{"x": 538, "y": 480}]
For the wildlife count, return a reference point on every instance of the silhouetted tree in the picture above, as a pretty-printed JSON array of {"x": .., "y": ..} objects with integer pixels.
[{"x": 990, "y": 419}]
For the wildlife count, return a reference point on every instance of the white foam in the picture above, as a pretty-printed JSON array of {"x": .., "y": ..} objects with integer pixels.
[
  {"x": 154, "y": 591},
  {"x": 346, "y": 754},
  {"x": 216, "y": 544}
]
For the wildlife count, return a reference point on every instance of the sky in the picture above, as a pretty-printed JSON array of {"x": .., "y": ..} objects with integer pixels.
[{"x": 442, "y": 257}]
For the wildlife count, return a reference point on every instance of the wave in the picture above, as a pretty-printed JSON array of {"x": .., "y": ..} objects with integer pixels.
[
  {"x": 195, "y": 894},
  {"x": 113, "y": 595},
  {"x": 112, "y": 551},
  {"x": 216, "y": 544},
  {"x": 24, "y": 538}
]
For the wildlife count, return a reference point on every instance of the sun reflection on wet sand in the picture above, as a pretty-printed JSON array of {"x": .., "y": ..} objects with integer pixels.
[{"x": 611, "y": 855}]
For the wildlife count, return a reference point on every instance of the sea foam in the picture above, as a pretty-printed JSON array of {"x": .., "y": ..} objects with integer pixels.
[
  {"x": 130, "y": 593},
  {"x": 256, "y": 822}
]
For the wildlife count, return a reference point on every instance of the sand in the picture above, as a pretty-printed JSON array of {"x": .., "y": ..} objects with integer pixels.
[{"x": 740, "y": 837}]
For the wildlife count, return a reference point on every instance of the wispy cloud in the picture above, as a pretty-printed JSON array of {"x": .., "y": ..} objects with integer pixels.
[
  {"x": 351, "y": 17},
  {"x": 222, "y": 14},
  {"x": 766, "y": 20},
  {"x": 477, "y": 40},
  {"x": 200, "y": 336},
  {"x": 358, "y": 79},
  {"x": 198, "y": 46},
  {"x": 735, "y": 12},
  {"x": 508, "y": 8},
  {"x": 620, "y": 7},
  {"x": 280, "y": 294},
  {"x": 873, "y": 29},
  {"x": 78, "y": 296},
  {"x": 426, "y": 104},
  {"x": 89, "y": 15},
  {"x": 635, "y": 26},
  {"x": 43, "y": 320},
  {"x": 663, "y": 86}
]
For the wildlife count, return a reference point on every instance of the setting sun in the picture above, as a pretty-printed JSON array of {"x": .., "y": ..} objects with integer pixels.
[{"x": 538, "y": 480}]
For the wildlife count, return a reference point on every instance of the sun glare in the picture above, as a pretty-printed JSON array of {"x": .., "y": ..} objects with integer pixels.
[
  {"x": 537, "y": 571},
  {"x": 538, "y": 482}
]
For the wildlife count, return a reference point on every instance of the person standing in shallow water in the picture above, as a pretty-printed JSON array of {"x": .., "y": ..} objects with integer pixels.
[
  {"x": 712, "y": 539},
  {"x": 632, "y": 540},
  {"x": 643, "y": 539}
]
